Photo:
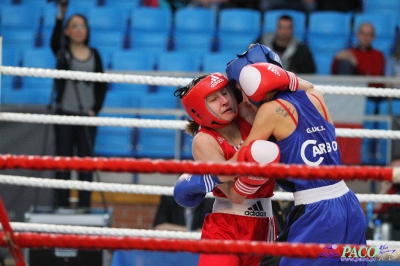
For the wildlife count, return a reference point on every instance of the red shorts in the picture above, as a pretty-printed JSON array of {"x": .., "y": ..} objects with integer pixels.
[{"x": 228, "y": 226}]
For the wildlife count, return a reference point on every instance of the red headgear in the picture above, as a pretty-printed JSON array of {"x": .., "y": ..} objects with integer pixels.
[{"x": 194, "y": 101}]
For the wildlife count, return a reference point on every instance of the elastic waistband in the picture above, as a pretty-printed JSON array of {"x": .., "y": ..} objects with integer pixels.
[
  {"x": 313, "y": 195},
  {"x": 259, "y": 208}
]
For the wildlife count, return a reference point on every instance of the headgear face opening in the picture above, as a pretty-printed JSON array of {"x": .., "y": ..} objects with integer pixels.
[
  {"x": 194, "y": 101},
  {"x": 258, "y": 53}
]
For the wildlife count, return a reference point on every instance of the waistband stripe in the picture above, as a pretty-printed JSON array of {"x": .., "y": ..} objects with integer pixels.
[{"x": 313, "y": 195}]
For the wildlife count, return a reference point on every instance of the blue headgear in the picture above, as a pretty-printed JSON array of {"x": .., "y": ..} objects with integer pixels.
[{"x": 258, "y": 53}]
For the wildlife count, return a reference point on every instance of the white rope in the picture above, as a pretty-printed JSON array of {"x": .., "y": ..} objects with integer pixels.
[
  {"x": 149, "y": 190},
  {"x": 91, "y": 76},
  {"x": 164, "y": 124},
  {"x": 118, "y": 232},
  {"x": 362, "y": 91},
  {"x": 92, "y": 121},
  {"x": 172, "y": 81},
  {"x": 89, "y": 230},
  {"x": 84, "y": 185}
]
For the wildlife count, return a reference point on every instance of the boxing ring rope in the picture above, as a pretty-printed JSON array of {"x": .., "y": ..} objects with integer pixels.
[
  {"x": 90, "y": 238},
  {"x": 132, "y": 165},
  {"x": 149, "y": 189},
  {"x": 172, "y": 81},
  {"x": 164, "y": 124}
]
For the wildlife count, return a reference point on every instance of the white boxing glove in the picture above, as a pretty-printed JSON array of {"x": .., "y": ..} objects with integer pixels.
[
  {"x": 258, "y": 79},
  {"x": 259, "y": 151}
]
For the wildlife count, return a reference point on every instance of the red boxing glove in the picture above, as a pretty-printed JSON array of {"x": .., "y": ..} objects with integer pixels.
[
  {"x": 259, "y": 151},
  {"x": 258, "y": 79}
]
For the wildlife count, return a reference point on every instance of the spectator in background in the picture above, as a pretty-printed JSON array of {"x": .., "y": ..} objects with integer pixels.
[
  {"x": 79, "y": 98},
  {"x": 362, "y": 59},
  {"x": 173, "y": 217},
  {"x": 295, "y": 56},
  {"x": 392, "y": 68}
]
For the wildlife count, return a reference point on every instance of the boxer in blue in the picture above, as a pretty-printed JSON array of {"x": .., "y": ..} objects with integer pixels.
[{"x": 325, "y": 211}]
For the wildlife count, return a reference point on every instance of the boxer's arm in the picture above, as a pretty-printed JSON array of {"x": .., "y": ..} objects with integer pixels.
[
  {"x": 305, "y": 85},
  {"x": 206, "y": 148}
]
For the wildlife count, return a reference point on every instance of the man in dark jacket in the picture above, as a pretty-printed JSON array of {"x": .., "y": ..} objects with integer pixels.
[{"x": 295, "y": 56}]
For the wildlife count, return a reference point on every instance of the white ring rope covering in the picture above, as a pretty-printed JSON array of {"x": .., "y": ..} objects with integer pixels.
[
  {"x": 105, "y": 231},
  {"x": 87, "y": 230},
  {"x": 91, "y": 76},
  {"x": 165, "y": 124},
  {"x": 172, "y": 81},
  {"x": 150, "y": 190}
]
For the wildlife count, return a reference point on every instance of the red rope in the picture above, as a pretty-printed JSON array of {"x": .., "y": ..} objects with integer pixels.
[
  {"x": 295, "y": 250},
  {"x": 178, "y": 167},
  {"x": 8, "y": 237}
]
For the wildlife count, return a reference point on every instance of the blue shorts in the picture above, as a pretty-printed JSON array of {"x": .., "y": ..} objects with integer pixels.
[{"x": 337, "y": 221}]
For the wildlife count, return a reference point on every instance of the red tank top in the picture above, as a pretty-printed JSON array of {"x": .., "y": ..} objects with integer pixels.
[{"x": 267, "y": 190}]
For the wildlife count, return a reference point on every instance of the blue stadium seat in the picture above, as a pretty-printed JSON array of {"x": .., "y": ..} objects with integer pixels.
[
  {"x": 23, "y": 97},
  {"x": 11, "y": 56},
  {"x": 176, "y": 61},
  {"x": 132, "y": 60},
  {"x": 18, "y": 17},
  {"x": 41, "y": 87},
  {"x": 107, "y": 19},
  {"x": 328, "y": 31},
  {"x": 19, "y": 25},
  {"x": 120, "y": 99},
  {"x": 323, "y": 62},
  {"x": 20, "y": 39},
  {"x": 128, "y": 5},
  {"x": 186, "y": 146},
  {"x": 379, "y": 5},
  {"x": 114, "y": 141},
  {"x": 113, "y": 39},
  {"x": 151, "y": 28},
  {"x": 393, "y": 103},
  {"x": 49, "y": 17},
  {"x": 82, "y": 7},
  {"x": 26, "y": 90},
  {"x": 216, "y": 62},
  {"x": 270, "y": 21},
  {"x": 39, "y": 58},
  {"x": 156, "y": 142},
  {"x": 194, "y": 29},
  {"x": 385, "y": 29},
  {"x": 374, "y": 151},
  {"x": 238, "y": 28}
]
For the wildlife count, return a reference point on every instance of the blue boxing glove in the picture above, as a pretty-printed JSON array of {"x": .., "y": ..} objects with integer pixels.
[{"x": 190, "y": 190}]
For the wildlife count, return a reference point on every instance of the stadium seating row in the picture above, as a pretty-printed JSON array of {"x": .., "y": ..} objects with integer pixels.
[{"x": 199, "y": 30}]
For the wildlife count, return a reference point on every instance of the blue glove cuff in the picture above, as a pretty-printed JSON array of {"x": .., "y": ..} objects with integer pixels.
[{"x": 210, "y": 182}]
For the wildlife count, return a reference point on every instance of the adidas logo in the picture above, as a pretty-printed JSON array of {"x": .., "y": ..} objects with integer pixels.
[
  {"x": 215, "y": 81},
  {"x": 187, "y": 177},
  {"x": 273, "y": 69},
  {"x": 256, "y": 210}
]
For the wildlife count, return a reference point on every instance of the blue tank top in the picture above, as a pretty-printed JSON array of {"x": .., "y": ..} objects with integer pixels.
[{"x": 312, "y": 143}]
